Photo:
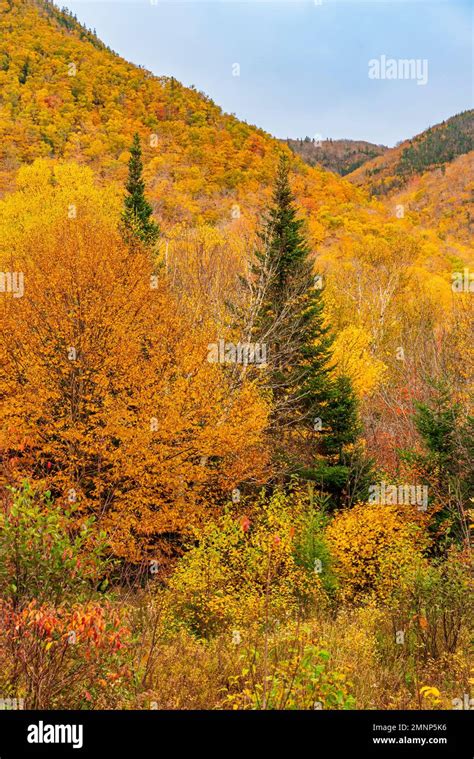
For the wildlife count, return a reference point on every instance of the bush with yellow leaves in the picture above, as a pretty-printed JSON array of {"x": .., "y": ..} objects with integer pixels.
[
  {"x": 246, "y": 567},
  {"x": 363, "y": 539}
]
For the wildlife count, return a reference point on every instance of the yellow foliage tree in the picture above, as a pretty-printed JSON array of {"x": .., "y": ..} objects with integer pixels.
[{"x": 353, "y": 358}]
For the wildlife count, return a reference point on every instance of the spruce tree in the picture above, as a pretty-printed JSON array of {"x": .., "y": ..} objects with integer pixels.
[
  {"x": 314, "y": 416},
  {"x": 290, "y": 315},
  {"x": 137, "y": 214},
  {"x": 446, "y": 430}
]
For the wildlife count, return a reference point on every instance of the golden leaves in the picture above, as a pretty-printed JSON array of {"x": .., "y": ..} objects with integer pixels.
[{"x": 94, "y": 353}]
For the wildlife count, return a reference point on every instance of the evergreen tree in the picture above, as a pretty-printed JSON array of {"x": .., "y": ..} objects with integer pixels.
[
  {"x": 25, "y": 70},
  {"x": 342, "y": 411},
  {"x": 290, "y": 312},
  {"x": 314, "y": 415},
  {"x": 447, "y": 433},
  {"x": 137, "y": 214}
]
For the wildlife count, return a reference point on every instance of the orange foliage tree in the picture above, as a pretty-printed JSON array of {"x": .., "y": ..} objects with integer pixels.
[{"x": 107, "y": 397}]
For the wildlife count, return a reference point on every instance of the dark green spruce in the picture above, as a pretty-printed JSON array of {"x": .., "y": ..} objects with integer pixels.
[
  {"x": 137, "y": 216},
  {"x": 315, "y": 415}
]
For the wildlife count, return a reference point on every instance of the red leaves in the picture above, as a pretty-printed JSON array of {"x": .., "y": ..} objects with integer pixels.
[
  {"x": 245, "y": 523},
  {"x": 97, "y": 626}
]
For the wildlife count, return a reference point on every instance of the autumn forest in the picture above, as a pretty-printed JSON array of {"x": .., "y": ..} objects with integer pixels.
[{"x": 236, "y": 384}]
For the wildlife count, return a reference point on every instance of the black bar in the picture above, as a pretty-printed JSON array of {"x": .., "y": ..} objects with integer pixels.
[{"x": 158, "y": 734}]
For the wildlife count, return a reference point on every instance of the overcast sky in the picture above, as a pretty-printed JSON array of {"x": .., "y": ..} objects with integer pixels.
[{"x": 303, "y": 65}]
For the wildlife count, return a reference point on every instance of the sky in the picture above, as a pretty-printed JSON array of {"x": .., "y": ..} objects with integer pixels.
[{"x": 301, "y": 67}]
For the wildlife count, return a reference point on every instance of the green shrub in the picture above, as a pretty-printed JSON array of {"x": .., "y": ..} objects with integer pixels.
[{"x": 44, "y": 553}]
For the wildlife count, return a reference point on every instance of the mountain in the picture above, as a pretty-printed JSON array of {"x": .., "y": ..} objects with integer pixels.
[
  {"x": 340, "y": 156},
  {"x": 431, "y": 150},
  {"x": 65, "y": 96}
]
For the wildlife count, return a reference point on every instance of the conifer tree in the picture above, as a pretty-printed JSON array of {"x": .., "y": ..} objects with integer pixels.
[
  {"x": 137, "y": 215},
  {"x": 289, "y": 317},
  {"x": 315, "y": 415},
  {"x": 446, "y": 429}
]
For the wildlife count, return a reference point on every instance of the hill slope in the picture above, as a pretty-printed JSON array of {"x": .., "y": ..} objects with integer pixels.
[
  {"x": 65, "y": 95},
  {"x": 432, "y": 149},
  {"x": 442, "y": 200}
]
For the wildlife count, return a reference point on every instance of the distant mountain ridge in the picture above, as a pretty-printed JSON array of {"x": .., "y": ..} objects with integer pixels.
[{"x": 339, "y": 156}]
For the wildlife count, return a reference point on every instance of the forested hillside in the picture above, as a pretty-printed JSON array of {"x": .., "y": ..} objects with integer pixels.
[
  {"x": 236, "y": 400},
  {"x": 340, "y": 156},
  {"x": 433, "y": 149}
]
